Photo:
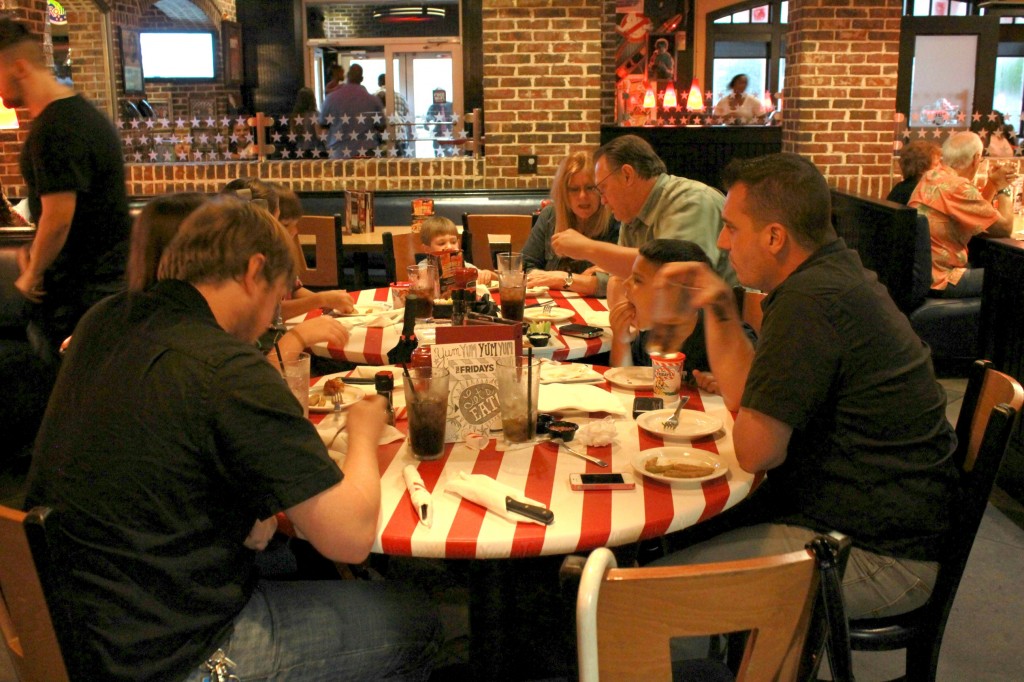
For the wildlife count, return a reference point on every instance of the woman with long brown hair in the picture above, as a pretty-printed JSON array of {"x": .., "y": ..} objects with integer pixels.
[{"x": 576, "y": 204}]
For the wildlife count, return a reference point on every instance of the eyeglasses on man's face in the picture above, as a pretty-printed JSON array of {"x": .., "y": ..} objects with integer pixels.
[{"x": 597, "y": 185}]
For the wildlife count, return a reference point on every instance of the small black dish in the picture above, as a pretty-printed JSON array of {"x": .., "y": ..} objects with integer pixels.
[
  {"x": 538, "y": 340},
  {"x": 566, "y": 431},
  {"x": 542, "y": 423}
]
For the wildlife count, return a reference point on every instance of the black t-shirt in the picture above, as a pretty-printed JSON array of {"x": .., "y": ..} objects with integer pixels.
[
  {"x": 164, "y": 441},
  {"x": 73, "y": 147},
  {"x": 901, "y": 191},
  {"x": 870, "y": 450}
]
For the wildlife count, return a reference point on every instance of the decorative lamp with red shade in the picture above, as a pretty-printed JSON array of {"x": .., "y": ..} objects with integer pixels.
[
  {"x": 8, "y": 117},
  {"x": 767, "y": 103},
  {"x": 650, "y": 101},
  {"x": 695, "y": 101},
  {"x": 671, "y": 101}
]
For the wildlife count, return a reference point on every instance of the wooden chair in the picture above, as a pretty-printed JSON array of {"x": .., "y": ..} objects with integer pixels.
[
  {"x": 626, "y": 617},
  {"x": 749, "y": 303},
  {"x": 987, "y": 418},
  {"x": 399, "y": 252},
  {"x": 324, "y": 233},
  {"x": 26, "y": 619},
  {"x": 479, "y": 225}
]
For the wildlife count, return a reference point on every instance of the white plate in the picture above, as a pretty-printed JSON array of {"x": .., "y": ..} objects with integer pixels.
[
  {"x": 568, "y": 373},
  {"x": 555, "y": 315},
  {"x": 364, "y": 309},
  {"x": 692, "y": 424},
  {"x": 695, "y": 457},
  {"x": 631, "y": 377},
  {"x": 536, "y": 291},
  {"x": 369, "y": 372},
  {"x": 349, "y": 396}
]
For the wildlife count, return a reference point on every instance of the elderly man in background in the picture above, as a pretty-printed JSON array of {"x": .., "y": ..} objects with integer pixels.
[
  {"x": 74, "y": 172},
  {"x": 957, "y": 210},
  {"x": 352, "y": 117},
  {"x": 839, "y": 401},
  {"x": 168, "y": 435}
]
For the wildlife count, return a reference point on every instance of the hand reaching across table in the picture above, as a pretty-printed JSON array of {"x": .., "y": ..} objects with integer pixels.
[{"x": 311, "y": 332}]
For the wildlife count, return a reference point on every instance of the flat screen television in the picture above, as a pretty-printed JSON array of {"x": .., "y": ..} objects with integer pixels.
[{"x": 180, "y": 55}]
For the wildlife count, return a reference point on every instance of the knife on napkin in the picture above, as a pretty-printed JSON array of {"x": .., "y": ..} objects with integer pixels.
[
  {"x": 530, "y": 511},
  {"x": 420, "y": 496}
]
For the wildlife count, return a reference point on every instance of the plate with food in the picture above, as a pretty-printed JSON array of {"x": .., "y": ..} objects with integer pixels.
[
  {"x": 692, "y": 424},
  {"x": 631, "y": 377},
  {"x": 364, "y": 309},
  {"x": 536, "y": 291},
  {"x": 679, "y": 465},
  {"x": 320, "y": 396},
  {"x": 553, "y": 315}
]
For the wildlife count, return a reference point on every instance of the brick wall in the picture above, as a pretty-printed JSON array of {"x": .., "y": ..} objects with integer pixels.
[
  {"x": 841, "y": 73},
  {"x": 33, "y": 14}
]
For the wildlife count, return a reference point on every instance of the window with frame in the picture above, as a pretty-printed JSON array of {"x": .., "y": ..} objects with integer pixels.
[{"x": 747, "y": 38}]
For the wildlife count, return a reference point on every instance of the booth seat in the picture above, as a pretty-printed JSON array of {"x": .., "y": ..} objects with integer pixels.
[{"x": 893, "y": 241}]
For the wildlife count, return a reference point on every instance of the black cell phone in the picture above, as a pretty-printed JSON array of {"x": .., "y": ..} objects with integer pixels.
[
  {"x": 641, "y": 405},
  {"x": 601, "y": 482},
  {"x": 581, "y": 330}
]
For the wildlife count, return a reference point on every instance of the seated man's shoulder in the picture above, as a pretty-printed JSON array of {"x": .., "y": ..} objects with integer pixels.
[{"x": 677, "y": 187}]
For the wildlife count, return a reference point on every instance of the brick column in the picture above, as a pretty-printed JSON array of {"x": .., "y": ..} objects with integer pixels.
[
  {"x": 542, "y": 84},
  {"x": 840, "y": 94}
]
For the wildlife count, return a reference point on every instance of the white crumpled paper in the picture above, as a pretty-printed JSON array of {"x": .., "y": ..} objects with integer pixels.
[{"x": 597, "y": 434}]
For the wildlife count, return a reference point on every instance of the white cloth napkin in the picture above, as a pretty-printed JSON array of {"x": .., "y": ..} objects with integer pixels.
[
  {"x": 584, "y": 397},
  {"x": 422, "y": 501},
  {"x": 597, "y": 318},
  {"x": 335, "y": 437},
  {"x": 491, "y": 494}
]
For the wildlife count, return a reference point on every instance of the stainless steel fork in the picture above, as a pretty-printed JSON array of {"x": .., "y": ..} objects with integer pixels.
[{"x": 672, "y": 422}]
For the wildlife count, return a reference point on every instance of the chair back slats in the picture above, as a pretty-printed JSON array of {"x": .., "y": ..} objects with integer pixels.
[
  {"x": 996, "y": 388},
  {"x": 639, "y": 610},
  {"x": 321, "y": 231},
  {"x": 480, "y": 225},
  {"x": 25, "y": 617}
]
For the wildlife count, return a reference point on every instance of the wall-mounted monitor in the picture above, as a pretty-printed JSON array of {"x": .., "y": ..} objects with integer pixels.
[{"x": 168, "y": 55}]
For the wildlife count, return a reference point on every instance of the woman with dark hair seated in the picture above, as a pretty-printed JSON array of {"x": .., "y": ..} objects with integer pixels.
[{"x": 916, "y": 158}]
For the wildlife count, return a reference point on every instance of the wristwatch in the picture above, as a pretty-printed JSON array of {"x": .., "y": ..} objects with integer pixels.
[
  {"x": 1008, "y": 191},
  {"x": 567, "y": 283}
]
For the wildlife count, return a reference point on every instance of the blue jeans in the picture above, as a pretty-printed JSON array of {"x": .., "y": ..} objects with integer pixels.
[{"x": 332, "y": 630}]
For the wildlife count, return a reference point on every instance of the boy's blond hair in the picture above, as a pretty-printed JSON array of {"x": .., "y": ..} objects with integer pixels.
[{"x": 436, "y": 226}]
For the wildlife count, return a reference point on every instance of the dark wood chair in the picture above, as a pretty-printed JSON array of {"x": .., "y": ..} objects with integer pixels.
[
  {"x": 987, "y": 418},
  {"x": 326, "y": 271},
  {"x": 625, "y": 617},
  {"x": 30, "y": 617},
  {"x": 479, "y": 225}
]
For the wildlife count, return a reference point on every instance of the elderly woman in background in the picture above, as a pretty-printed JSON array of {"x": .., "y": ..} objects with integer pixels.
[
  {"x": 916, "y": 158},
  {"x": 576, "y": 204},
  {"x": 957, "y": 210}
]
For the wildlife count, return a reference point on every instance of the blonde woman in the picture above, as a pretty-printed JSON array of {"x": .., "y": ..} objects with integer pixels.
[{"x": 576, "y": 204}]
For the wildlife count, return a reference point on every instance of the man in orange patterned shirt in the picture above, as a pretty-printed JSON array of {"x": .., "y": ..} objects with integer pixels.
[{"x": 957, "y": 210}]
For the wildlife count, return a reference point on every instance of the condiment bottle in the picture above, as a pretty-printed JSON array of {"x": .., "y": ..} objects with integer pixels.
[
  {"x": 384, "y": 382},
  {"x": 421, "y": 356}
]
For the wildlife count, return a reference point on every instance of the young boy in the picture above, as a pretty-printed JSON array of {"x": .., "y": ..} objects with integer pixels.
[
  {"x": 631, "y": 319},
  {"x": 440, "y": 235}
]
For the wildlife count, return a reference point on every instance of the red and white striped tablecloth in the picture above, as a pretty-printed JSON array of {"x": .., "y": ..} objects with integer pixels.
[
  {"x": 583, "y": 520},
  {"x": 370, "y": 346}
]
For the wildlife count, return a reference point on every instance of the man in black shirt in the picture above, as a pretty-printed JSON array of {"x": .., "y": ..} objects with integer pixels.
[
  {"x": 75, "y": 175},
  {"x": 167, "y": 435},
  {"x": 839, "y": 401}
]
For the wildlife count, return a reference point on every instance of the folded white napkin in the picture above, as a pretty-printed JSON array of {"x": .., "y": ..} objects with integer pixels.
[
  {"x": 584, "y": 397},
  {"x": 418, "y": 493},
  {"x": 553, "y": 372},
  {"x": 335, "y": 437},
  {"x": 597, "y": 318},
  {"x": 491, "y": 494}
]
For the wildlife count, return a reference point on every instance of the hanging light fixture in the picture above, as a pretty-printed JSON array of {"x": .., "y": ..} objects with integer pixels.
[
  {"x": 407, "y": 14},
  {"x": 650, "y": 101},
  {"x": 8, "y": 117},
  {"x": 671, "y": 101},
  {"x": 695, "y": 101}
]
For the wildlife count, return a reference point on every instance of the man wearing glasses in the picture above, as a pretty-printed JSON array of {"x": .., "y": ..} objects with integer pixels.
[{"x": 650, "y": 204}]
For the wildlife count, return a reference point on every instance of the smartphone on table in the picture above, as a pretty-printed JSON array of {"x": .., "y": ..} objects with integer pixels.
[
  {"x": 621, "y": 481},
  {"x": 583, "y": 331}
]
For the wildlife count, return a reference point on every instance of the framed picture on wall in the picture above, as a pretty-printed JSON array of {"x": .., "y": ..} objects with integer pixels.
[
  {"x": 231, "y": 41},
  {"x": 131, "y": 62},
  {"x": 202, "y": 106}
]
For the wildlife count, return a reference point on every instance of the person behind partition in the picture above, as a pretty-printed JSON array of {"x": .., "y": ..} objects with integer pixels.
[
  {"x": 336, "y": 80},
  {"x": 631, "y": 319},
  {"x": 401, "y": 133},
  {"x": 738, "y": 106},
  {"x": 201, "y": 444},
  {"x": 439, "y": 121},
  {"x": 1000, "y": 139},
  {"x": 303, "y": 121},
  {"x": 74, "y": 174},
  {"x": 957, "y": 210},
  {"x": 440, "y": 235},
  {"x": 838, "y": 402},
  {"x": 915, "y": 158},
  {"x": 576, "y": 205},
  {"x": 352, "y": 118}
]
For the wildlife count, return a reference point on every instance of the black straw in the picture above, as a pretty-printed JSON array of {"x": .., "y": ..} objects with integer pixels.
[
  {"x": 408, "y": 378},
  {"x": 529, "y": 385}
]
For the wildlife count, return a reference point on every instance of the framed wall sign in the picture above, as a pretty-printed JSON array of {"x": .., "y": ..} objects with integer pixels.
[
  {"x": 131, "y": 62},
  {"x": 231, "y": 42}
]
